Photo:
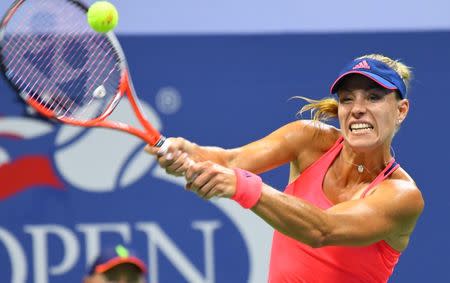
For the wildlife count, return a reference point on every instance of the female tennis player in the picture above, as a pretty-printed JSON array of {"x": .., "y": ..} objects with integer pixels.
[{"x": 349, "y": 209}]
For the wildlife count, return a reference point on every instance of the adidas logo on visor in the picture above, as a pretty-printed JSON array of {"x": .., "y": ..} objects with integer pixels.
[{"x": 362, "y": 65}]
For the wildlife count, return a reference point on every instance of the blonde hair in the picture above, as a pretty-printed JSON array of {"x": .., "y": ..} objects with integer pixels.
[{"x": 327, "y": 108}]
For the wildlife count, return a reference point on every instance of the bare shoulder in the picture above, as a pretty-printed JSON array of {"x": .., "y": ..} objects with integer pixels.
[
  {"x": 310, "y": 139},
  {"x": 402, "y": 191},
  {"x": 309, "y": 135},
  {"x": 399, "y": 202}
]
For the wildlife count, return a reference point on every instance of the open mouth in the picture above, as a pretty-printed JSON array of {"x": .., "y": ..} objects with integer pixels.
[{"x": 360, "y": 127}]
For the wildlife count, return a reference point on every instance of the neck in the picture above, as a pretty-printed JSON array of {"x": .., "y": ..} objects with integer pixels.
[{"x": 362, "y": 166}]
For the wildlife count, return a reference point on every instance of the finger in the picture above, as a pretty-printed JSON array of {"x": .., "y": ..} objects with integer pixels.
[
  {"x": 172, "y": 145},
  {"x": 180, "y": 161},
  {"x": 188, "y": 186},
  {"x": 199, "y": 181},
  {"x": 207, "y": 189},
  {"x": 168, "y": 148},
  {"x": 186, "y": 164},
  {"x": 179, "y": 166},
  {"x": 182, "y": 164},
  {"x": 161, "y": 150},
  {"x": 191, "y": 187},
  {"x": 193, "y": 178},
  {"x": 193, "y": 169},
  {"x": 171, "y": 159},
  {"x": 151, "y": 149},
  {"x": 216, "y": 191},
  {"x": 165, "y": 160},
  {"x": 213, "y": 193}
]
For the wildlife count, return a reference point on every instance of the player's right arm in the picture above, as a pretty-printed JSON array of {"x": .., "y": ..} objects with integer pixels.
[{"x": 290, "y": 143}]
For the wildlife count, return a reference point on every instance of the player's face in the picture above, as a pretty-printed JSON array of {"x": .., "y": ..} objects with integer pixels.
[
  {"x": 368, "y": 113},
  {"x": 96, "y": 278},
  {"x": 123, "y": 273},
  {"x": 100, "y": 278}
]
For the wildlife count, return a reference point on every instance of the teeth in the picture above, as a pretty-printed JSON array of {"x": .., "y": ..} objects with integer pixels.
[{"x": 360, "y": 126}]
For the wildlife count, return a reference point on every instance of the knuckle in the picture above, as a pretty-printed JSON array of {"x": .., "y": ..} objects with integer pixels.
[
  {"x": 178, "y": 142},
  {"x": 201, "y": 193}
]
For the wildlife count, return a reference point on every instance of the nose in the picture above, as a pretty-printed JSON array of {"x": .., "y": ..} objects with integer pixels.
[{"x": 359, "y": 107}]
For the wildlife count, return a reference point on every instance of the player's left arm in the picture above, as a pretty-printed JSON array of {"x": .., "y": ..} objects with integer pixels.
[{"x": 391, "y": 211}]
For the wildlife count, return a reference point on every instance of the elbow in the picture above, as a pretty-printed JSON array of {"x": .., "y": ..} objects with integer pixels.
[
  {"x": 321, "y": 235},
  {"x": 323, "y": 238},
  {"x": 316, "y": 239},
  {"x": 316, "y": 244}
]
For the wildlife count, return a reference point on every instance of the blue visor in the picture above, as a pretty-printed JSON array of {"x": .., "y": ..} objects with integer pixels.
[{"x": 375, "y": 70}]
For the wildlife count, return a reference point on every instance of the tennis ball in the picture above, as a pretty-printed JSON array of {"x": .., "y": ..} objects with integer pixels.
[{"x": 102, "y": 16}]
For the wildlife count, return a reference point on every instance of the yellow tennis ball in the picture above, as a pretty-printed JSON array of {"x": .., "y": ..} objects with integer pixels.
[{"x": 102, "y": 16}]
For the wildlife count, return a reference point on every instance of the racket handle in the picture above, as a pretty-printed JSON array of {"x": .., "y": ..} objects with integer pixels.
[{"x": 163, "y": 145}]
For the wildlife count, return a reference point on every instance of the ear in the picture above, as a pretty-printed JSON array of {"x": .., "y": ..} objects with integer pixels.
[{"x": 403, "y": 108}]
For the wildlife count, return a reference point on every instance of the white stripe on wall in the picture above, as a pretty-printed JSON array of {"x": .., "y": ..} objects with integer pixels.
[{"x": 268, "y": 16}]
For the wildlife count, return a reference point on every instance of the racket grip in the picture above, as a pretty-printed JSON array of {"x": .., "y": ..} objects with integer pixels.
[{"x": 163, "y": 145}]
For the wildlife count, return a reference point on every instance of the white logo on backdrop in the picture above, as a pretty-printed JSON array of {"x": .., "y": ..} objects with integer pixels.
[
  {"x": 106, "y": 152},
  {"x": 168, "y": 100},
  {"x": 92, "y": 160},
  {"x": 4, "y": 156},
  {"x": 21, "y": 127}
]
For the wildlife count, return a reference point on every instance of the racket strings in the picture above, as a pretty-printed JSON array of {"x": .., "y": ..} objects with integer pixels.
[
  {"x": 62, "y": 102},
  {"x": 73, "y": 82},
  {"x": 42, "y": 84},
  {"x": 34, "y": 77},
  {"x": 60, "y": 65},
  {"x": 37, "y": 44},
  {"x": 108, "y": 68}
]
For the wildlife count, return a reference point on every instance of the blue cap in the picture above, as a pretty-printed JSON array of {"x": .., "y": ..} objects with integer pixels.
[
  {"x": 375, "y": 70},
  {"x": 110, "y": 258}
]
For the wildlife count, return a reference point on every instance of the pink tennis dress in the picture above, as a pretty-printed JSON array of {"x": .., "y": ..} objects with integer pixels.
[{"x": 292, "y": 261}]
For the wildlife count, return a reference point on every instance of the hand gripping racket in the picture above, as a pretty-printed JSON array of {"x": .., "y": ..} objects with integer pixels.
[{"x": 64, "y": 69}]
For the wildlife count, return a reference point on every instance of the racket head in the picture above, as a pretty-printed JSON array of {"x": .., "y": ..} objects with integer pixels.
[{"x": 58, "y": 64}]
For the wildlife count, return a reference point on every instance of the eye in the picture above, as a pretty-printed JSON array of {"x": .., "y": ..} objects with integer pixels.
[
  {"x": 345, "y": 99},
  {"x": 375, "y": 96}
]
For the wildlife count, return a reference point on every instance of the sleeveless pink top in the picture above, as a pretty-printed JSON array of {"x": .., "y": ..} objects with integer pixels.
[{"x": 292, "y": 261}]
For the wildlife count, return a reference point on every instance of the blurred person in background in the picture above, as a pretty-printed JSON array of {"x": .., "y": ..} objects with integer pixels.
[{"x": 118, "y": 265}]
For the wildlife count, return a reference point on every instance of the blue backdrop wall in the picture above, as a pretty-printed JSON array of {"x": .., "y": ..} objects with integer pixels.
[{"x": 214, "y": 90}]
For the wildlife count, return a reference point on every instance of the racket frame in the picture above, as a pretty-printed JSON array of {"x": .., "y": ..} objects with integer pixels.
[{"x": 149, "y": 134}]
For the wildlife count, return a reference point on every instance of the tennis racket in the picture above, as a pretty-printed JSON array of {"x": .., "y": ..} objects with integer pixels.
[{"x": 65, "y": 70}]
